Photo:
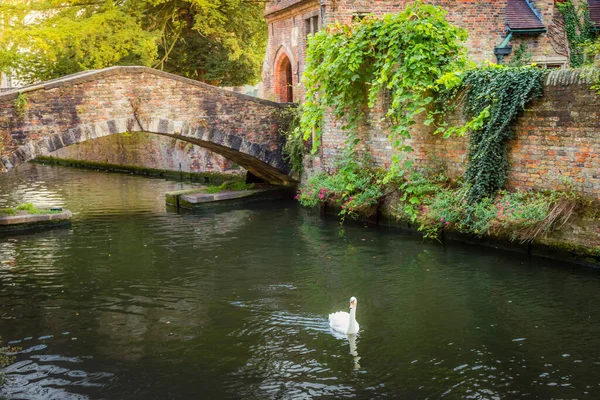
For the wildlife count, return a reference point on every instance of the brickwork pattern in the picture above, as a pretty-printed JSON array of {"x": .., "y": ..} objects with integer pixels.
[
  {"x": 287, "y": 35},
  {"x": 94, "y": 104},
  {"x": 556, "y": 141},
  {"x": 485, "y": 21}
]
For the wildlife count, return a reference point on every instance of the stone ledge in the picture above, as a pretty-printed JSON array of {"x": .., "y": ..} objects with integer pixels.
[
  {"x": 24, "y": 222},
  {"x": 198, "y": 198}
]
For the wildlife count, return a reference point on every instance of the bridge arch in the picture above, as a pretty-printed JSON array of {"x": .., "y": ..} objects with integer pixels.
[{"x": 94, "y": 104}]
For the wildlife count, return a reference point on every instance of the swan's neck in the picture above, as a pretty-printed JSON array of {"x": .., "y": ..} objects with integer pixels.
[{"x": 352, "y": 323}]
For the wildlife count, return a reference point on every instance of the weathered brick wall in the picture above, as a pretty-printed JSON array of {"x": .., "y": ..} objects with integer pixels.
[
  {"x": 147, "y": 150},
  {"x": 557, "y": 140},
  {"x": 287, "y": 38},
  {"x": 485, "y": 21},
  {"x": 95, "y": 104}
]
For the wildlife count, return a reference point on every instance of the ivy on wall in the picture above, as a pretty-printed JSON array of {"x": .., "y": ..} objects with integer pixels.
[
  {"x": 349, "y": 66},
  {"x": 502, "y": 93},
  {"x": 579, "y": 29}
]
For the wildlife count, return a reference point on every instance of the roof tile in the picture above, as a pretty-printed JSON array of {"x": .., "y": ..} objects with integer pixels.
[{"x": 519, "y": 15}]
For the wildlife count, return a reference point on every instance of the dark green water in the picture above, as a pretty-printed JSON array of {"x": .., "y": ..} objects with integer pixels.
[{"x": 133, "y": 302}]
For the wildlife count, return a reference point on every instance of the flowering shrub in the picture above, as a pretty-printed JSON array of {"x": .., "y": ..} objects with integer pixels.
[{"x": 355, "y": 187}]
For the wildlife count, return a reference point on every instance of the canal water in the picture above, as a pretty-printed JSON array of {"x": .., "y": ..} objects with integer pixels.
[{"x": 135, "y": 302}]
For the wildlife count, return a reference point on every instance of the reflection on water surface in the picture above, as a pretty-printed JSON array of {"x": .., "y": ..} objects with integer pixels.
[{"x": 138, "y": 303}]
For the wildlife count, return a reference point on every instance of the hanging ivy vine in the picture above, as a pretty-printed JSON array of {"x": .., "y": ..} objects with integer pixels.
[
  {"x": 500, "y": 94},
  {"x": 349, "y": 66},
  {"x": 579, "y": 29}
]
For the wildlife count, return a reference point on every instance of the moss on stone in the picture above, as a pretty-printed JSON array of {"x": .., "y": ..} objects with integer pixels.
[{"x": 26, "y": 208}]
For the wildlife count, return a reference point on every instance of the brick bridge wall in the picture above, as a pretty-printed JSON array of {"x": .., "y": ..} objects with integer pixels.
[
  {"x": 557, "y": 140},
  {"x": 95, "y": 104}
]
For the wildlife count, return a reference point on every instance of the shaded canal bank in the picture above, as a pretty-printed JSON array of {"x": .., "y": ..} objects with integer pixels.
[
  {"x": 576, "y": 242},
  {"x": 135, "y": 302},
  {"x": 200, "y": 177}
]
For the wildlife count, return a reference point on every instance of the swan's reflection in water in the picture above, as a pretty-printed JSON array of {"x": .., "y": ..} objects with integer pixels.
[
  {"x": 354, "y": 351},
  {"x": 352, "y": 343}
]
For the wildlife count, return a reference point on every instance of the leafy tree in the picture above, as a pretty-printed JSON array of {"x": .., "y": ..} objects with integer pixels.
[
  {"x": 46, "y": 39},
  {"x": 220, "y": 41}
]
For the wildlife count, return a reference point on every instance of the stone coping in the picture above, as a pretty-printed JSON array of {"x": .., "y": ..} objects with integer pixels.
[
  {"x": 34, "y": 219},
  {"x": 92, "y": 75}
]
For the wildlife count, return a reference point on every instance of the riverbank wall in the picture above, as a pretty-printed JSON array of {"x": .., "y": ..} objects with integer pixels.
[
  {"x": 556, "y": 140},
  {"x": 556, "y": 145}
]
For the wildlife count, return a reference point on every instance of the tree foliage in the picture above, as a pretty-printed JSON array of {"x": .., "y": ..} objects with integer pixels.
[
  {"x": 219, "y": 41},
  {"x": 216, "y": 41}
]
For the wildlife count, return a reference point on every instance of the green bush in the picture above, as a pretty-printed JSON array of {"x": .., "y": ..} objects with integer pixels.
[
  {"x": 355, "y": 187},
  {"x": 28, "y": 207},
  {"x": 521, "y": 216},
  {"x": 294, "y": 148},
  {"x": 231, "y": 185}
]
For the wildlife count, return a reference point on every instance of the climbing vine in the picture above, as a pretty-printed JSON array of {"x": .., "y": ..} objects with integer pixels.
[
  {"x": 348, "y": 67},
  {"x": 500, "y": 94},
  {"x": 521, "y": 57},
  {"x": 294, "y": 147},
  {"x": 20, "y": 104},
  {"x": 579, "y": 29}
]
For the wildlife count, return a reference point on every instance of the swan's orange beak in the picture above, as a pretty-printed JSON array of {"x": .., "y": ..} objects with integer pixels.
[{"x": 352, "y": 303}]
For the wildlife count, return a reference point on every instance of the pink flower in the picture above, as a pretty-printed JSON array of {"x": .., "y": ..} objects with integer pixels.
[
  {"x": 351, "y": 198},
  {"x": 321, "y": 196},
  {"x": 297, "y": 196},
  {"x": 442, "y": 219},
  {"x": 447, "y": 223}
]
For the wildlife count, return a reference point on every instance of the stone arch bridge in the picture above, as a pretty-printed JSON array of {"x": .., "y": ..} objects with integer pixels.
[{"x": 39, "y": 119}]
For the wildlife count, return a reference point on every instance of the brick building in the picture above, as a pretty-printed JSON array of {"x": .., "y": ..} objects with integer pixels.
[{"x": 496, "y": 28}]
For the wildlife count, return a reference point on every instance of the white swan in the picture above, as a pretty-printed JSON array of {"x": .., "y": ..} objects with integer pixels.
[{"x": 343, "y": 322}]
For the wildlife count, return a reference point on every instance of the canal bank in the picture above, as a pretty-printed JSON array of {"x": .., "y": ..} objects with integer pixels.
[
  {"x": 147, "y": 153},
  {"x": 201, "y": 177},
  {"x": 549, "y": 150},
  {"x": 576, "y": 242}
]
